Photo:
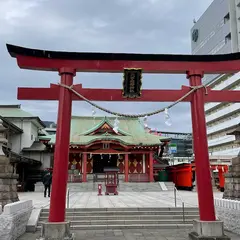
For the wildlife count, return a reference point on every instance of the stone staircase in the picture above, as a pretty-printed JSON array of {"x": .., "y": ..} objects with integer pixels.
[
  {"x": 126, "y": 218},
  {"x": 123, "y": 187}
]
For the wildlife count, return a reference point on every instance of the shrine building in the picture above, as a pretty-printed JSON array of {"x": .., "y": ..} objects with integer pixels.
[{"x": 95, "y": 145}]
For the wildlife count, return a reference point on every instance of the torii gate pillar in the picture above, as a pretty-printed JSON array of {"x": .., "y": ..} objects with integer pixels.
[
  {"x": 61, "y": 153},
  {"x": 204, "y": 184}
]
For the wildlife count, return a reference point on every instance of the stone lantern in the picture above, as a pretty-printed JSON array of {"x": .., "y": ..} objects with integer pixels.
[
  {"x": 8, "y": 179},
  {"x": 232, "y": 177}
]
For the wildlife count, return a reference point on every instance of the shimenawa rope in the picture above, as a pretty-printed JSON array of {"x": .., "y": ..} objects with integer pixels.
[{"x": 193, "y": 89}]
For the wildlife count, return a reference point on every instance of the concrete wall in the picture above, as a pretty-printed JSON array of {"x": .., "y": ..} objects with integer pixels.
[
  {"x": 228, "y": 211},
  {"x": 44, "y": 157},
  {"x": 26, "y": 139},
  {"x": 14, "y": 219},
  {"x": 213, "y": 30}
]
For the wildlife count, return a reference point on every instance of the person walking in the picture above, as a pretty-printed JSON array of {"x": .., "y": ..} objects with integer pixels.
[{"x": 47, "y": 181}]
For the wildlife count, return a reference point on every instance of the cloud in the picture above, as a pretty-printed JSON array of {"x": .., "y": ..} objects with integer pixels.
[{"x": 144, "y": 26}]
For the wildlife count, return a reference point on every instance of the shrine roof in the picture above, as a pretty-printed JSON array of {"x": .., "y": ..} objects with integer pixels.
[
  {"x": 35, "y": 147},
  {"x": 130, "y": 132},
  {"x": 15, "y": 112},
  {"x": 22, "y": 51}
]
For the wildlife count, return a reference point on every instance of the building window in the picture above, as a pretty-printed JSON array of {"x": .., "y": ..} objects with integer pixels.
[
  {"x": 226, "y": 18},
  {"x": 228, "y": 38}
]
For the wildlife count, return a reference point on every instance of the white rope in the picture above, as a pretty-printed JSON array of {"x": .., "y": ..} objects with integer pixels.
[{"x": 193, "y": 89}]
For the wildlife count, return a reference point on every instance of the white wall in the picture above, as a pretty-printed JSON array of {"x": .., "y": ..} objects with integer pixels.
[
  {"x": 45, "y": 158},
  {"x": 26, "y": 139}
]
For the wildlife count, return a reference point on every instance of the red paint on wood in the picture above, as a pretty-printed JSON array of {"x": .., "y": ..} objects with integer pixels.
[
  {"x": 204, "y": 184},
  {"x": 151, "y": 179},
  {"x": 84, "y": 167},
  {"x": 61, "y": 153},
  {"x": 148, "y": 95},
  {"x": 126, "y": 170},
  {"x": 48, "y": 64}
]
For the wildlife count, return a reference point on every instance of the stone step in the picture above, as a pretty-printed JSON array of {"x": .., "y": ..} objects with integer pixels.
[
  {"x": 125, "y": 217},
  {"x": 133, "y": 226},
  {"x": 129, "y": 213},
  {"x": 126, "y": 210},
  {"x": 128, "y": 222}
]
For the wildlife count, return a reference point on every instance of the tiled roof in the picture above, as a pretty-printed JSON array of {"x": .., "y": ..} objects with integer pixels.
[
  {"x": 13, "y": 111},
  {"x": 132, "y": 132},
  {"x": 36, "y": 146}
]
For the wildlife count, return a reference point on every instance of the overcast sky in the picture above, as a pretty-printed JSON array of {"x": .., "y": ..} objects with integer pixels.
[{"x": 143, "y": 26}]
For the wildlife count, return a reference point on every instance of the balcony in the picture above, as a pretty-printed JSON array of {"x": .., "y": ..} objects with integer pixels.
[
  {"x": 231, "y": 151},
  {"x": 226, "y": 111},
  {"x": 225, "y": 125},
  {"x": 228, "y": 82},
  {"x": 222, "y": 86},
  {"x": 221, "y": 140}
]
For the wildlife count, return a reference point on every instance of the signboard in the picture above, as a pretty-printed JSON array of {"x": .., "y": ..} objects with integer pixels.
[
  {"x": 173, "y": 148},
  {"x": 132, "y": 82}
]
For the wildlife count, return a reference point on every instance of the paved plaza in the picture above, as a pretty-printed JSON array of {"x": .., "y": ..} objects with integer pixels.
[
  {"x": 124, "y": 199},
  {"x": 129, "y": 234}
]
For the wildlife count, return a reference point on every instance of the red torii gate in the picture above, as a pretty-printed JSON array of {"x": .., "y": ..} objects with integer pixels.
[{"x": 68, "y": 63}]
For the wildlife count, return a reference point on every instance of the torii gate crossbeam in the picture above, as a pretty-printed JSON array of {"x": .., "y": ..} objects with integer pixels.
[{"x": 67, "y": 64}]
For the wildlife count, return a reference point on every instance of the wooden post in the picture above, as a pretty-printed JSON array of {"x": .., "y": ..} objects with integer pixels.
[
  {"x": 151, "y": 167},
  {"x": 84, "y": 167},
  {"x": 126, "y": 167},
  {"x": 61, "y": 153},
  {"x": 203, "y": 176}
]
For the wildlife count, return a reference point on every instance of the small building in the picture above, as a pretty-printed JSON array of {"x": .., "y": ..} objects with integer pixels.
[
  {"x": 95, "y": 144},
  {"x": 26, "y": 153}
]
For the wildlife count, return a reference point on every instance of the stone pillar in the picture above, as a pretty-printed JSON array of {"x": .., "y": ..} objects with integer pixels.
[
  {"x": 8, "y": 179},
  {"x": 232, "y": 177},
  {"x": 232, "y": 181}
]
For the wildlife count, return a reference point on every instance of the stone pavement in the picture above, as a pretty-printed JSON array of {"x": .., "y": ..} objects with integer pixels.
[
  {"x": 129, "y": 234},
  {"x": 124, "y": 199}
]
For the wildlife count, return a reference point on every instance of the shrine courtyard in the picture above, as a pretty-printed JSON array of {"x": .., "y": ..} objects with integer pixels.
[{"x": 123, "y": 200}]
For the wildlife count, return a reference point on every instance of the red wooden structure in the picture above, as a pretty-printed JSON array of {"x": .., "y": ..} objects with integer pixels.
[
  {"x": 183, "y": 175},
  {"x": 111, "y": 180},
  {"x": 67, "y": 64},
  {"x": 221, "y": 170}
]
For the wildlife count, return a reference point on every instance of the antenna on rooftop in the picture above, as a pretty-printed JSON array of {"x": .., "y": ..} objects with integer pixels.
[{"x": 194, "y": 21}]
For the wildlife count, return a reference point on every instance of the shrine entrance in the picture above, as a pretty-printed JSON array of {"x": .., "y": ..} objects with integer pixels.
[
  {"x": 67, "y": 64},
  {"x": 101, "y": 161}
]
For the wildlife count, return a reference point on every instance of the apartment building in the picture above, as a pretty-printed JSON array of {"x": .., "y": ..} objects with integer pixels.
[{"x": 217, "y": 31}]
